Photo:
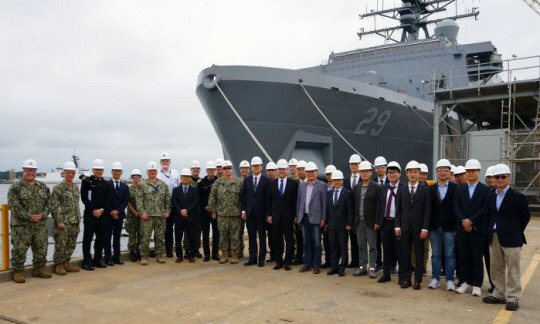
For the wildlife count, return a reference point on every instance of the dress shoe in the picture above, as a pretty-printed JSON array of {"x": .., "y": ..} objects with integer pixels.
[
  {"x": 316, "y": 270},
  {"x": 261, "y": 264},
  {"x": 138, "y": 254},
  {"x": 87, "y": 267},
  {"x": 118, "y": 261},
  {"x": 249, "y": 263},
  {"x": 332, "y": 272},
  {"x": 493, "y": 300},
  {"x": 360, "y": 272},
  {"x": 287, "y": 267},
  {"x": 326, "y": 265},
  {"x": 384, "y": 278},
  {"x": 198, "y": 255},
  {"x": 132, "y": 257},
  {"x": 278, "y": 266},
  {"x": 206, "y": 258},
  {"x": 490, "y": 289},
  {"x": 178, "y": 260},
  {"x": 341, "y": 272},
  {"x": 405, "y": 284},
  {"x": 110, "y": 263},
  {"x": 305, "y": 269},
  {"x": 169, "y": 255},
  {"x": 98, "y": 264},
  {"x": 416, "y": 286},
  {"x": 216, "y": 258},
  {"x": 191, "y": 260},
  {"x": 510, "y": 306}
]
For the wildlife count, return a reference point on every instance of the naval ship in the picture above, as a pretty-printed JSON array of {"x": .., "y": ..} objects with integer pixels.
[{"x": 371, "y": 101}]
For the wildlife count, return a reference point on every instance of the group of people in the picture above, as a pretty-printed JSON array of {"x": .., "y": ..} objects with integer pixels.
[{"x": 386, "y": 222}]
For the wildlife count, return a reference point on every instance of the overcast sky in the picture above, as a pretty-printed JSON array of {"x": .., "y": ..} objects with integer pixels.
[{"x": 116, "y": 79}]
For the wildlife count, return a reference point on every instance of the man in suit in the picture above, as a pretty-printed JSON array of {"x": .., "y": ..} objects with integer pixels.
[
  {"x": 116, "y": 211},
  {"x": 510, "y": 215},
  {"x": 349, "y": 183},
  {"x": 366, "y": 198},
  {"x": 413, "y": 210},
  {"x": 442, "y": 226},
  {"x": 470, "y": 206},
  {"x": 380, "y": 178},
  {"x": 311, "y": 215},
  {"x": 205, "y": 217},
  {"x": 185, "y": 206},
  {"x": 340, "y": 208},
  {"x": 254, "y": 195},
  {"x": 282, "y": 193},
  {"x": 385, "y": 222}
]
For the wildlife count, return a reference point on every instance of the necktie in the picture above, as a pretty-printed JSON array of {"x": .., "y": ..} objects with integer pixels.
[
  {"x": 281, "y": 188},
  {"x": 336, "y": 194},
  {"x": 116, "y": 185},
  {"x": 185, "y": 190},
  {"x": 412, "y": 193},
  {"x": 255, "y": 183},
  {"x": 389, "y": 204},
  {"x": 354, "y": 182},
  {"x": 381, "y": 181}
]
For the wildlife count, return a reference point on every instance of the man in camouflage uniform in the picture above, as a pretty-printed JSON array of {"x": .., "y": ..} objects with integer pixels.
[
  {"x": 67, "y": 217},
  {"x": 224, "y": 203},
  {"x": 154, "y": 202},
  {"x": 133, "y": 219},
  {"x": 28, "y": 201}
]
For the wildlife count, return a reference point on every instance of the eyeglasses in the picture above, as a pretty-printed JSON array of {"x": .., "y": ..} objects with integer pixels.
[
  {"x": 503, "y": 177},
  {"x": 165, "y": 161},
  {"x": 227, "y": 168}
]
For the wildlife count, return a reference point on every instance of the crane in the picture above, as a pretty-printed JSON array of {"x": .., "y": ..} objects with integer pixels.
[{"x": 534, "y": 5}]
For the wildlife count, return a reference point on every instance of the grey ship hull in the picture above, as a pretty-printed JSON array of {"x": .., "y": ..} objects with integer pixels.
[{"x": 376, "y": 121}]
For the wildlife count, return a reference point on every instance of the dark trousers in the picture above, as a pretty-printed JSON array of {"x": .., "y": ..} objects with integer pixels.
[
  {"x": 283, "y": 229},
  {"x": 114, "y": 232},
  {"x": 93, "y": 226},
  {"x": 206, "y": 222},
  {"x": 326, "y": 245},
  {"x": 408, "y": 239},
  {"x": 169, "y": 234},
  {"x": 379, "y": 250},
  {"x": 487, "y": 259},
  {"x": 256, "y": 227},
  {"x": 471, "y": 249},
  {"x": 181, "y": 225},
  {"x": 389, "y": 245},
  {"x": 338, "y": 247},
  {"x": 354, "y": 249},
  {"x": 299, "y": 243},
  {"x": 270, "y": 237}
]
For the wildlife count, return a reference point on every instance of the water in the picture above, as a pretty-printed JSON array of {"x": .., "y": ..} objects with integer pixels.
[{"x": 50, "y": 249}]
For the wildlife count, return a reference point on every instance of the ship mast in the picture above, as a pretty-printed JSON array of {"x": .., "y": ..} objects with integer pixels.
[
  {"x": 75, "y": 159},
  {"x": 413, "y": 17}
]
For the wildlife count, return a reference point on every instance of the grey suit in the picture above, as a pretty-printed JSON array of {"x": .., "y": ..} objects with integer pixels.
[{"x": 311, "y": 220}]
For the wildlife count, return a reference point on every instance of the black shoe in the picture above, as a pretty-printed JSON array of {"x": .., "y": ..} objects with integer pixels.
[
  {"x": 118, "y": 261},
  {"x": 198, "y": 255},
  {"x": 353, "y": 265},
  {"x": 332, "y": 272},
  {"x": 417, "y": 286},
  {"x": 98, "y": 264},
  {"x": 215, "y": 257},
  {"x": 510, "y": 306},
  {"x": 341, "y": 272},
  {"x": 132, "y": 257},
  {"x": 108, "y": 262},
  {"x": 490, "y": 290},
  {"x": 493, "y": 300},
  {"x": 287, "y": 267},
  {"x": 261, "y": 264},
  {"x": 384, "y": 278},
  {"x": 249, "y": 263},
  {"x": 278, "y": 266},
  {"x": 88, "y": 267},
  {"x": 170, "y": 255},
  {"x": 138, "y": 254},
  {"x": 206, "y": 258},
  {"x": 326, "y": 265}
]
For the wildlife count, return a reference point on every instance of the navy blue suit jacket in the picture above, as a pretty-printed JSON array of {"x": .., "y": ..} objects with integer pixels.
[
  {"x": 341, "y": 215},
  {"x": 254, "y": 202},
  {"x": 511, "y": 218},
  {"x": 118, "y": 199},
  {"x": 282, "y": 208},
  {"x": 189, "y": 201},
  {"x": 474, "y": 209}
]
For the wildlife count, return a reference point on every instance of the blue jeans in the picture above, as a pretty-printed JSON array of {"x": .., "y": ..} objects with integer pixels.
[
  {"x": 440, "y": 239},
  {"x": 312, "y": 243}
]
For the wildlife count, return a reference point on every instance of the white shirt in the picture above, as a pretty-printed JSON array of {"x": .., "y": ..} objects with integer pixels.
[
  {"x": 284, "y": 183},
  {"x": 171, "y": 178},
  {"x": 393, "y": 205},
  {"x": 383, "y": 180},
  {"x": 357, "y": 175}
]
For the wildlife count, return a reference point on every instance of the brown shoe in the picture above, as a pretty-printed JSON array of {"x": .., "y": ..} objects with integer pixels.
[
  {"x": 178, "y": 260},
  {"x": 224, "y": 257},
  {"x": 191, "y": 259},
  {"x": 160, "y": 259},
  {"x": 405, "y": 284},
  {"x": 71, "y": 268},
  {"x": 305, "y": 269},
  {"x": 144, "y": 260},
  {"x": 416, "y": 286},
  {"x": 59, "y": 269},
  {"x": 18, "y": 277},
  {"x": 42, "y": 273},
  {"x": 316, "y": 270},
  {"x": 234, "y": 259}
]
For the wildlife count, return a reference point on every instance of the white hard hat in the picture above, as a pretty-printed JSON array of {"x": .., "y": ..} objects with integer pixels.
[
  {"x": 116, "y": 166},
  {"x": 501, "y": 169},
  {"x": 69, "y": 166},
  {"x": 151, "y": 166},
  {"x": 293, "y": 161},
  {"x": 452, "y": 168},
  {"x": 227, "y": 163},
  {"x": 473, "y": 164},
  {"x": 424, "y": 168},
  {"x": 364, "y": 165},
  {"x": 355, "y": 158},
  {"x": 219, "y": 162},
  {"x": 459, "y": 169},
  {"x": 443, "y": 163},
  {"x": 282, "y": 164},
  {"x": 244, "y": 164},
  {"x": 256, "y": 160},
  {"x": 412, "y": 165},
  {"x": 185, "y": 172},
  {"x": 337, "y": 175},
  {"x": 195, "y": 164},
  {"x": 29, "y": 164},
  {"x": 329, "y": 169},
  {"x": 394, "y": 164},
  {"x": 135, "y": 172},
  {"x": 301, "y": 164},
  {"x": 489, "y": 171},
  {"x": 98, "y": 164},
  {"x": 311, "y": 166},
  {"x": 271, "y": 166},
  {"x": 164, "y": 156},
  {"x": 210, "y": 164},
  {"x": 379, "y": 161}
]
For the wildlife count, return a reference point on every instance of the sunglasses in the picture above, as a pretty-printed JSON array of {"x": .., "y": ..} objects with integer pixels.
[
  {"x": 503, "y": 177},
  {"x": 227, "y": 168}
]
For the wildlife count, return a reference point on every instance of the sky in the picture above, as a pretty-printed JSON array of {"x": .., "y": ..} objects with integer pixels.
[{"x": 116, "y": 79}]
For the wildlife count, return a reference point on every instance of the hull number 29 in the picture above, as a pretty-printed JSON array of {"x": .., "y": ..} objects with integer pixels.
[{"x": 374, "y": 122}]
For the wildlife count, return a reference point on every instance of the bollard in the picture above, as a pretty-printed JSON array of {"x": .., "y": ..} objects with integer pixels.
[{"x": 5, "y": 237}]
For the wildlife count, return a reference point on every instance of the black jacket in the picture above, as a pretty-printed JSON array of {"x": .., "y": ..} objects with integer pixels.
[
  {"x": 340, "y": 215},
  {"x": 370, "y": 203},
  {"x": 413, "y": 214},
  {"x": 511, "y": 218},
  {"x": 204, "y": 187},
  {"x": 442, "y": 212},
  {"x": 474, "y": 209},
  {"x": 118, "y": 199},
  {"x": 254, "y": 202},
  {"x": 95, "y": 194},
  {"x": 282, "y": 208},
  {"x": 189, "y": 201},
  {"x": 382, "y": 201}
]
